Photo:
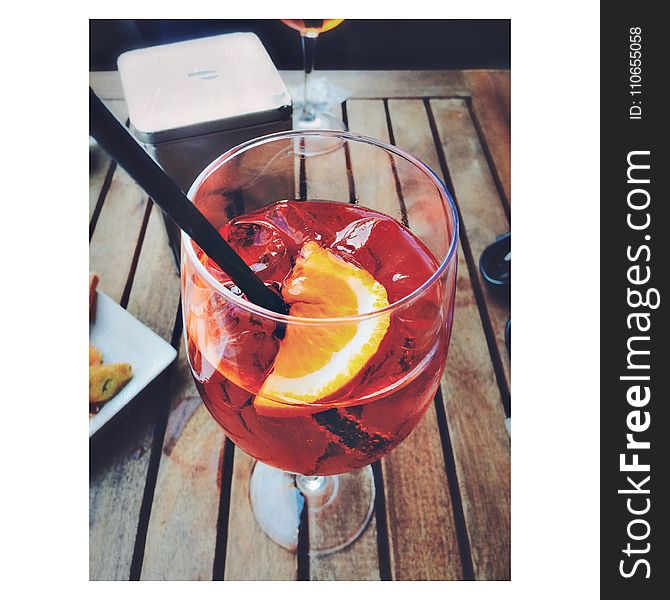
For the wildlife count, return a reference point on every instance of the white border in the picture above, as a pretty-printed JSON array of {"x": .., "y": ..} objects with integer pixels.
[{"x": 555, "y": 115}]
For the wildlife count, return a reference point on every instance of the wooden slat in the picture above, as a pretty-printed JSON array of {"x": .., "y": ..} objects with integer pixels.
[
  {"x": 99, "y": 160},
  {"x": 327, "y": 179},
  {"x": 482, "y": 212},
  {"x": 357, "y": 562},
  {"x": 181, "y": 536},
  {"x": 327, "y": 173},
  {"x": 490, "y": 91},
  {"x": 357, "y": 84},
  {"x": 116, "y": 234},
  {"x": 119, "y": 465},
  {"x": 422, "y": 533},
  {"x": 99, "y": 164},
  {"x": 120, "y": 460},
  {"x": 375, "y": 186},
  {"x": 154, "y": 297},
  {"x": 250, "y": 554},
  {"x": 411, "y": 132},
  {"x": 480, "y": 443}
]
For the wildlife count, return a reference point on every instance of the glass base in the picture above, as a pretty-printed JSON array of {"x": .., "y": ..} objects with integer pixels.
[
  {"x": 312, "y": 515},
  {"x": 319, "y": 121}
]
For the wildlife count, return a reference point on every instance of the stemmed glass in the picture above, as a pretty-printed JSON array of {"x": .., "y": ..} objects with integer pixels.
[
  {"x": 310, "y": 117},
  {"x": 313, "y": 469}
]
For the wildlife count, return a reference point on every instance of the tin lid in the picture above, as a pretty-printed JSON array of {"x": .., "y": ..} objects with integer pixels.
[{"x": 201, "y": 86}]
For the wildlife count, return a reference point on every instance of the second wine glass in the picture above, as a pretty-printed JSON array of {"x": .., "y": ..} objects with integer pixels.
[{"x": 310, "y": 117}]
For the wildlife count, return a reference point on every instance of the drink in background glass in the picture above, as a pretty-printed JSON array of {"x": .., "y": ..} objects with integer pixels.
[
  {"x": 310, "y": 117},
  {"x": 312, "y": 27},
  {"x": 338, "y": 383}
]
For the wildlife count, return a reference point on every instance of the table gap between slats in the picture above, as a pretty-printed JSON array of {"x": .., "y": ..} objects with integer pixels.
[
  {"x": 221, "y": 548},
  {"x": 136, "y": 256}
]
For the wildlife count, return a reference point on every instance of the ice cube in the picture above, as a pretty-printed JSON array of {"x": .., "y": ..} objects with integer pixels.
[
  {"x": 388, "y": 252},
  {"x": 295, "y": 222},
  {"x": 369, "y": 241},
  {"x": 233, "y": 395},
  {"x": 259, "y": 244}
]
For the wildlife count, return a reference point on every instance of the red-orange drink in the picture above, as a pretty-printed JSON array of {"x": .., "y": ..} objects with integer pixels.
[
  {"x": 233, "y": 351},
  {"x": 312, "y": 26}
]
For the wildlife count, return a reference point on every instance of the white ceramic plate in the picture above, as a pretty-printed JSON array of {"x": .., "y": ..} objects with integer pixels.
[{"x": 122, "y": 338}]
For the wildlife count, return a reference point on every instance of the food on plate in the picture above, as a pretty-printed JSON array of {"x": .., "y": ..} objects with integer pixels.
[
  {"x": 93, "y": 280},
  {"x": 94, "y": 356},
  {"x": 105, "y": 380}
]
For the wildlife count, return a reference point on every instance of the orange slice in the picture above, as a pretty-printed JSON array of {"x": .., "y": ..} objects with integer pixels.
[{"x": 315, "y": 361}]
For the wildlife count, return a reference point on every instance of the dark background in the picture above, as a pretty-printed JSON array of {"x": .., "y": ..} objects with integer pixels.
[
  {"x": 618, "y": 136},
  {"x": 355, "y": 44}
]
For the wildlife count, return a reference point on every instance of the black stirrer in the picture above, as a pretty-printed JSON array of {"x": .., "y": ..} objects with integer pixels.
[{"x": 127, "y": 152}]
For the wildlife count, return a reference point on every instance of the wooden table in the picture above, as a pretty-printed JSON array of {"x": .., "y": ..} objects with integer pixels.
[{"x": 168, "y": 491}]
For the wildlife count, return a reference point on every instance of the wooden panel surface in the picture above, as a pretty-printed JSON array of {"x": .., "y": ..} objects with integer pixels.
[
  {"x": 117, "y": 233},
  {"x": 471, "y": 395},
  {"x": 250, "y": 554},
  {"x": 490, "y": 91},
  {"x": 480, "y": 444},
  {"x": 120, "y": 454},
  {"x": 118, "y": 474},
  {"x": 422, "y": 534},
  {"x": 182, "y": 530},
  {"x": 100, "y": 164},
  {"x": 481, "y": 209}
]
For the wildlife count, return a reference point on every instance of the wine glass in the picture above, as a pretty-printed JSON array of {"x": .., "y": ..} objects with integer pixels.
[
  {"x": 310, "y": 117},
  {"x": 384, "y": 225}
]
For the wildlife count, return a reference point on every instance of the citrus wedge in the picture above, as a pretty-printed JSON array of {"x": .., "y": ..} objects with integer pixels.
[{"x": 315, "y": 361}]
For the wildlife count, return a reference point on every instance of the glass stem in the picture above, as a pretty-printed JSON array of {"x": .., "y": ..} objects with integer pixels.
[
  {"x": 310, "y": 483},
  {"x": 308, "y": 57}
]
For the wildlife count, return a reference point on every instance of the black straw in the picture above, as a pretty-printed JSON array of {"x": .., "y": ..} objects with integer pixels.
[{"x": 127, "y": 152}]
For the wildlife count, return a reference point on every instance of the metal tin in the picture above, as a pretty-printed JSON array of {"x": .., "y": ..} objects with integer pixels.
[{"x": 189, "y": 102}]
